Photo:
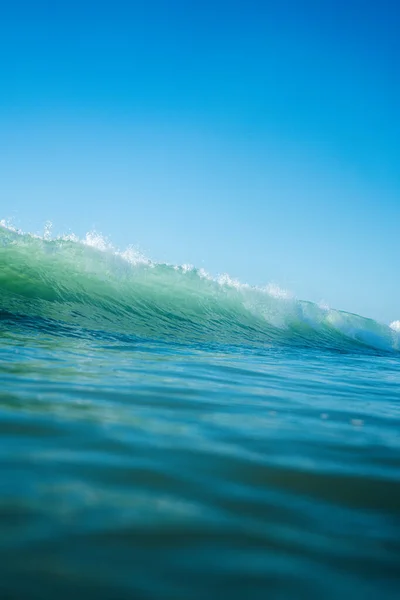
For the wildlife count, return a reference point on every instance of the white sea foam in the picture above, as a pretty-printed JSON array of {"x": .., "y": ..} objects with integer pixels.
[{"x": 395, "y": 326}]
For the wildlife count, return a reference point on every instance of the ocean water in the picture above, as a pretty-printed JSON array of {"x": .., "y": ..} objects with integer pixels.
[{"x": 165, "y": 434}]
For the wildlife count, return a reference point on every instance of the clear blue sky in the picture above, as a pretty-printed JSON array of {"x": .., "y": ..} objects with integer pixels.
[{"x": 260, "y": 139}]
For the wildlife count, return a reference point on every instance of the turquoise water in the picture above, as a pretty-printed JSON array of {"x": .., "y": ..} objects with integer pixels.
[{"x": 165, "y": 434}]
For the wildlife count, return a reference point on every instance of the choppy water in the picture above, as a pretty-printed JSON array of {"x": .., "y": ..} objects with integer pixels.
[{"x": 169, "y": 435}]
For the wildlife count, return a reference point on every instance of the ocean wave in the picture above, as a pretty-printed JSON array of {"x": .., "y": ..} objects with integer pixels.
[{"x": 88, "y": 284}]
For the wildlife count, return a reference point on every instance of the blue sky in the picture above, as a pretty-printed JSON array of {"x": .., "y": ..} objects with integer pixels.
[{"x": 260, "y": 139}]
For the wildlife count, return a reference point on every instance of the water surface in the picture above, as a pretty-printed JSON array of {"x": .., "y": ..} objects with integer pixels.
[{"x": 169, "y": 435}]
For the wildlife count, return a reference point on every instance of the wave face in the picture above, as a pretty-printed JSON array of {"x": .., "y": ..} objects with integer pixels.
[{"x": 73, "y": 286}]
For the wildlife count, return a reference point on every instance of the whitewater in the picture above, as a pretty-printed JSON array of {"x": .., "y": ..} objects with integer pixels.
[{"x": 170, "y": 434}]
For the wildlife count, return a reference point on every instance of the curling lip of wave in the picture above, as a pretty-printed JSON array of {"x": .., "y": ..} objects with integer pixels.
[{"x": 88, "y": 284}]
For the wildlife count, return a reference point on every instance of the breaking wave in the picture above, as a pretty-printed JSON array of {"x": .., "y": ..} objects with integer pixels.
[{"x": 71, "y": 287}]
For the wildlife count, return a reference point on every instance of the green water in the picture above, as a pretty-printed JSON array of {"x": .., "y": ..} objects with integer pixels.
[{"x": 169, "y": 435}]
